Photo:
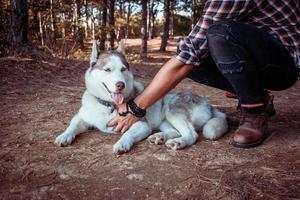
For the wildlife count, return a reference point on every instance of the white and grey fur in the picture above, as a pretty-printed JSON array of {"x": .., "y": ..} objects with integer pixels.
[{"x": 178, "y": 116}]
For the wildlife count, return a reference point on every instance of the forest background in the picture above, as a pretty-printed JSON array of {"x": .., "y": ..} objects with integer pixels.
[{"x": 63, "y": 28}]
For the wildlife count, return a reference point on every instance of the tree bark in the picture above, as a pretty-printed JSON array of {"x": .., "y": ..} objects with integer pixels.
[
  {"x": 41, "y": 28},
  {"x": 63, "y": 23},
  {"x": 129, "y": 6},
  {"x": 154, "y": 12},
  {"x": 172, "y": 12},
  {"x": 74, "y": 7},
  {"x": 165, "y": 36},
  {"x": 93, "y": 27},
  {"x": 121, "y": 3},
  {"x": 111, "y": 22},
  {"x": 18, "y": 23},
  {"x": 149, "y": 17},
  {"x": 78, "y": 30},
  {"x": 52, "y": 23},
  {"x": 102, "y": 36},
  {"x": 86, "y": 18},
  {"x": 35, "y": 21},
  {"x": 144, "y": 32},
  {"x": 197, "y": 9}
]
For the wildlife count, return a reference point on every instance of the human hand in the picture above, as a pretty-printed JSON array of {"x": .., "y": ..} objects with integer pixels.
[{"x": 122, "y": 123}]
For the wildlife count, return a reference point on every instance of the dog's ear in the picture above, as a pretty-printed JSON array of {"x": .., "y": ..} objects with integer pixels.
[
  {"x": 94, "y": 54},
  {"x": 121, "y": 48}
]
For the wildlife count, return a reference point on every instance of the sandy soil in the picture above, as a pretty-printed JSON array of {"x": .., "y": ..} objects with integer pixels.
[{"x": 39, "y": 97}]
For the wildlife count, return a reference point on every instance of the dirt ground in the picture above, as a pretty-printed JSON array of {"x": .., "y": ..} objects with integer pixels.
[{"x": 39, "y": 97}]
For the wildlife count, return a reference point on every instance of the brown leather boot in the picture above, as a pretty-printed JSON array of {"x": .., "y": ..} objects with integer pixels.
[
  {"x": 252, "y": 130},
  {"x": 234, "y": 118}
]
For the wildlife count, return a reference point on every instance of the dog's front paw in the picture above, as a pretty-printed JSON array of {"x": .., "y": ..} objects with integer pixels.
[
  {"x": 122, "y": 146},
  {"x": 174, "y": 144},
  {"x": 64, "y": 139},
  {"x": 157, "y": 138}
]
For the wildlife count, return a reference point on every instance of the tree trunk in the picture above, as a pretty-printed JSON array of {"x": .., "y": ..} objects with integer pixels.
[
  {"x": 35, "y": 27},
  {"x": 86, "y": 18},
  {"x": 79, "y": 5},
  {"x": 165, "y": 36},
  {"x": 121, "y": 8},
  {"x": 78, "y": 35},
  {"x": 102, "y": 36},
  {"x": 18, "y": 23},
  {"x": 173, "y": 7},
  {"x": 41, "y": 28},
  {"x": 144, "y": 32},
  {"x": 52, "y": 22},
  {"x": 128, "y": 19},
  {"x": 197, "y": 9},
  {"x": 93, "y": 27},
  {"x": 149, "y": 17},
  {"x": 63, "y": 23},
  {"x": 111, "y": 17},
  {"x": 153, "y": 16},
  {"x": 75, "y": 17},
  {"x": 194, "y": 20}
]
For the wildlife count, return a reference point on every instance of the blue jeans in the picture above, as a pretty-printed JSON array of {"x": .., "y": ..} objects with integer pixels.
[{"x": 245, "y": 60}]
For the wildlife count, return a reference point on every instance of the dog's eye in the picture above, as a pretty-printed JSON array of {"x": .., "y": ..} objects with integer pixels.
[
  {"x": 123, "y": 69},
  {"x": 107, "y": 70}
]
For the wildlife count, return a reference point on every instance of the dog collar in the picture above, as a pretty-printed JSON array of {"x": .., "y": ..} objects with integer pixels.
[{"x": 106, "y": 103}]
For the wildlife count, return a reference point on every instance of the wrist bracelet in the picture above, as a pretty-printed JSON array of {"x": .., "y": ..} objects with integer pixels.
[{"x": 136, "y": 111}]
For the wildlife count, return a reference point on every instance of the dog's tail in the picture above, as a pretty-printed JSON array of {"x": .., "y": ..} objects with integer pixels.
[{"x": 216, "y": 126}]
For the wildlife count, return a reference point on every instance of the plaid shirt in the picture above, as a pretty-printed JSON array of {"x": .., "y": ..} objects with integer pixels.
[{"x": 280, "y": 17}]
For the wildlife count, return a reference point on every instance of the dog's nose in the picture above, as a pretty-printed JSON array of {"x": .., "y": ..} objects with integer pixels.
[{"x": 120, "y": 85}]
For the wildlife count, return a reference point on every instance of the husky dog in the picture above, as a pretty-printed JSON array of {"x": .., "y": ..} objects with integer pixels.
[{"x": 109, "y": 82}]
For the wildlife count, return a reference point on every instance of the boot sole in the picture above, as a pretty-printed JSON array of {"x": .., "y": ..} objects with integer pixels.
[{"x": 251, "y": 145}]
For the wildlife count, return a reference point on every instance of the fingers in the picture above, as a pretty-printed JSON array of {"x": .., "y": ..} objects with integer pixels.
[
  {"x": 122, "y": 124},
  {"x": 113, "y": 122},
  {"x": 119, "y": 127},
  {"x": 124, "y": 129}
]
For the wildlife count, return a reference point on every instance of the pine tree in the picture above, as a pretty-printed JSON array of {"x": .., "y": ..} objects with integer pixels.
[
  {"x": 19, "y": 23},
  {"x": 165, "y": 37},
  {"x": 144, "y": 32},
  {"x": 111, "y": 21}
]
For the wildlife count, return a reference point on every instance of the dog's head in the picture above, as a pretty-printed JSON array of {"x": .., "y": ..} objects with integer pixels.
[{"x": 109, "y": 76}]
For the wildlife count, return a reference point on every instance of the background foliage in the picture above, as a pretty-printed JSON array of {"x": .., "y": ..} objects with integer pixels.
[{"x": 62, "y": 27}]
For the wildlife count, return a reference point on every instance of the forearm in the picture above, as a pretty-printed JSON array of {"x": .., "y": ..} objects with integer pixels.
[{"x": 166, "y": 79}]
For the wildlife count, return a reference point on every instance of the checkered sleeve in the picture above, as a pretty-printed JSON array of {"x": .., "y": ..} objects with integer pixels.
[{"x": 193, "y": 48}]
